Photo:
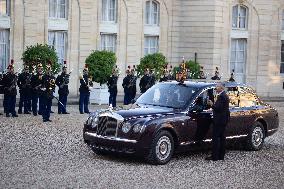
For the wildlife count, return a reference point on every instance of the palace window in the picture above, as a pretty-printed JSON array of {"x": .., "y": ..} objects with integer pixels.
[
  {"x": 152, "y": 13},
  {"x": 4, "y": 49},
  {"x": 283, "y": 20},
  {"x": 109, "y": 10},
  {"x": 58, "y": 40},
  {"x": 239, "y": 17},
  {"x": 108, "y": 42},
  {"x": 5, "y": 7},
  {"x": 58, "y": 8},
  {"x": 151, "y": 45},
  {"x": 282, "y": 58},
  {"x": 238, "y": 55}
]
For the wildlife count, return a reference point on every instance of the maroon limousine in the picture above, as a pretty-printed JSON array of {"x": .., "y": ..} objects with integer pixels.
[{"x": 173, "y": 115}]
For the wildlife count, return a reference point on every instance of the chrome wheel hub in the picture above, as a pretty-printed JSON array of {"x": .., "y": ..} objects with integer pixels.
[
  {"x": 257, "y": 136},
  {"x": 163, "y": 148}
]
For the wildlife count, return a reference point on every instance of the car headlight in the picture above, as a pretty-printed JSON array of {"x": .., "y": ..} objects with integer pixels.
[
  {"x": 95, "y": 122},
  {"x": 89, "y": 120},
  {"x": 138, "y": 128},
  {"x": 126, "y": 127}
]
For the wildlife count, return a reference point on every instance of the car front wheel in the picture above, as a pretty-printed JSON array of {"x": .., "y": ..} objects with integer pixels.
[
  {"x": 162, "y": 148},
  {"x": 256, "y": 137}
]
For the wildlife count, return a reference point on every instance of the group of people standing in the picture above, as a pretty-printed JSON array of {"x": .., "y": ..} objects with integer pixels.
[{"x": 37, "y": 88}]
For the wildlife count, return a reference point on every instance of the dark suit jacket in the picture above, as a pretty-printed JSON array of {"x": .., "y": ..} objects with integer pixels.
[{"x": 221, "y": 112}]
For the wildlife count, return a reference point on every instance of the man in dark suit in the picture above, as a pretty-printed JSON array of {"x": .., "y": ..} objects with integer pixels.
[{"x": 221, "y": 117}]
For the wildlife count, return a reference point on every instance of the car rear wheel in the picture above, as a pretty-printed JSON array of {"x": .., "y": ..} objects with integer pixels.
[
  {"x": 162, "y": 148},
  {"x": 255, "y": 137}
]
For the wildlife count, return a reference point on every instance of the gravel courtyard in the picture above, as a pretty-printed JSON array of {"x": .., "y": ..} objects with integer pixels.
[{"x": 53, "y": 155}]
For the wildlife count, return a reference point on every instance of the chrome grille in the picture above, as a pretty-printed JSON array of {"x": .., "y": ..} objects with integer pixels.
[{"x": 106, "y": 126}]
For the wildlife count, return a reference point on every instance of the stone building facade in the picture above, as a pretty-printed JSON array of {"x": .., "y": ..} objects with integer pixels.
[{"x": 244, "y": 35}]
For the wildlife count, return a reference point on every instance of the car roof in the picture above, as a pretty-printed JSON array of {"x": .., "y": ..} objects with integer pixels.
[{"x": 203, "y": 84}]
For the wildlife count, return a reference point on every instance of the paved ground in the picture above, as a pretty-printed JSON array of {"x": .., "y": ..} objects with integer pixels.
[{"x": 52, "y": 155}]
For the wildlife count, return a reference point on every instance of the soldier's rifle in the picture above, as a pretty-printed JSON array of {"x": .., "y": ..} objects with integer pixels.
[
  {"x": 65, "y": 80},
  {"x": 13, "y": 84},
  {"x": 28, "y": 81}
]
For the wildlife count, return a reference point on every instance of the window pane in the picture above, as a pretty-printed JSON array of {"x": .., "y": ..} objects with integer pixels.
[
  {"x": 108, "y": 42},
  {"x": 243, "y": 11},
  {"x": 155, "y": 13},
  {"x": 283, "y": 20},
  {"x": 52, "y": 8},
  {"x": 3, "y": 7},
  {"x": 238, "y": 55},
  {"x": 104, "y": 10},
  {"x": 4, "y": 49},
  {"x": 112, "y": 11},
  {"x": 148, "y": 12},
  {"x": 57, "y": 39},
  {"x": 242, "y": 22},
  {"x": 151, "y": 44},
  {"x": 62, "y": 7},
  {"x": 51, "y": 39},
  {"x": 235, "y": 17},
  {"x": 109, "y": 10}
]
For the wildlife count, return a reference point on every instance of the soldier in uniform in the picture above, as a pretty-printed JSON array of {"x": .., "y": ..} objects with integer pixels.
[
  {"x": 112, "y": 88},
  {"x": 84, "y": 90},
  {"x": 232, "y": 79},
  {"x": 201, "y": 73},
  {"x": 126, "y": 84},
  {"x": 36, "y": 83},
  {"x": 62, "y": 82},
  {"x": 145, "y": 81},
  {"x": 133, "y": 84},
  {"x": 47, "y": 88},
  {"x": 166, "y": 76},
  {"x": 24, "y": 83},
  {"x": 153, "y": 78},
  {"x": 216, "y": 76},
  {"x": 10, "y": 91}
]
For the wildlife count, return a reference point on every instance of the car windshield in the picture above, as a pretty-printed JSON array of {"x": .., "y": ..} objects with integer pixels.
[{"x": 171, "y": 95}]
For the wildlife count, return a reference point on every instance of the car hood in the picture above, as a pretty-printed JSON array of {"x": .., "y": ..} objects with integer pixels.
[{"x": 144, "y": 111}]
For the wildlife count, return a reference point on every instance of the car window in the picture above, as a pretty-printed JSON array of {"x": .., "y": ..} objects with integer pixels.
[
  {"x": 247, "y": 99},
  {"x": 233, "y": 94},
  {"x": 168, "y": 95},
  {"x": 201, "y": 100}
]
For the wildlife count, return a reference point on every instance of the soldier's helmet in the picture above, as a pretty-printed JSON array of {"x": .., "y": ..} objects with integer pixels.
[
  {"x": 11, "y": 65},
  {"x": 48, "y": 65},
  {"x": 86, "y": 69},
  {"x": 39, "y": 65},
  {"x": 64, "y": 64}
]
